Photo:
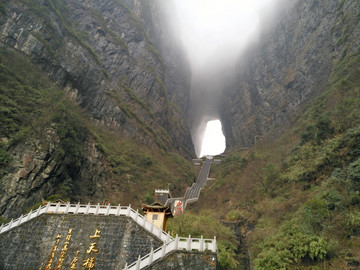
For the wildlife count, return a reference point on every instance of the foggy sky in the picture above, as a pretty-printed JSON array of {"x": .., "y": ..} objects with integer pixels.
[{"x": 212, "y": 27}]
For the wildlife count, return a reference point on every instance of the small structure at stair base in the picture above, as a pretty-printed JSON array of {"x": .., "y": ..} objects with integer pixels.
[
  {"x": 162, "y": 195},
  {"x": 157, "y": 214}
]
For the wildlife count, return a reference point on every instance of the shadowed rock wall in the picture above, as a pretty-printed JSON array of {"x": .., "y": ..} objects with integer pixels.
[
  {"x": 121, "y": 66},
  {"x": 288, "y": 65}
]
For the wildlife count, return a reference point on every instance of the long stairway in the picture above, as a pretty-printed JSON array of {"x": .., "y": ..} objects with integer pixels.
[{"x": 193, "y": 193}]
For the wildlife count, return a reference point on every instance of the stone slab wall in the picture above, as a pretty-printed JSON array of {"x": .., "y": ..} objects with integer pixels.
[{"x": 31, "y": 245}]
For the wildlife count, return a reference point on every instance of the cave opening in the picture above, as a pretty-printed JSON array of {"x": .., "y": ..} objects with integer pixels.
[{"x": 214, "y": 142}]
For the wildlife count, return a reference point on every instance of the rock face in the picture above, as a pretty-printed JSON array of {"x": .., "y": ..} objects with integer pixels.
[
  {"x": 119, "y": 62},
  {"x": 103, "y": 56},
  {"x": 37, "y": 172},
  {"x": 288, "y": 65}
]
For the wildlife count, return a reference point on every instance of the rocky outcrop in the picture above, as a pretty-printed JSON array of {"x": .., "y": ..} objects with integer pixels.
[
  {"x": 38, "y": 170},
  {"x": 118, "y": 63},
  {"x": 288, "y": 65},
  {"x": 102, "y": 55}
]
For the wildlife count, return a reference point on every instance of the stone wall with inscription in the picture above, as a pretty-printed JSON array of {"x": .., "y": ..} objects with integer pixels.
[
  {"x": 187, "y": 260},
  {"x": 75, "y": 242}
]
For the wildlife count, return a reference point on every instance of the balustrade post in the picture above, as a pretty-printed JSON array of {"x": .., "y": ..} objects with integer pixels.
[
  {"x": 144, "y": 221},
  {"x": 11, "y": 223},
  {"x": 163, "y": 249},
  {"x": 38, "y": 211},
  {"x": 176, "y": 242},
  {"x": 138, "y": 263},
  {"x": 57, "y": 207},
  {"x": 67, "y": 208},
  {"x": 151, "y": 256},
  {"x": 188, "y": 248},
  {"x": 107, "y": 209},
  {"x": 136, "y": 215},
  {"x": 201, "y": 244},
  {"x": 77, "y": 207},
  {"x": 28, "y": 216},
  {"x": 97, "y": 209},
  {"x": 1, "y": 227},
  {"x": 47, "y": 207},
  {"x": 160, "y": 233},
  {"x": 87, "y": 209},
  {"x": 126, "y": 267},
  {"x": 168, "y": 237},
  {"x": 152, "y": 226},
  {"x": 214, "y": 245},
  {"x": 118, "y": 209},
  {"x": 128, "y": 210},
  {"x": 20, "y": 218}
]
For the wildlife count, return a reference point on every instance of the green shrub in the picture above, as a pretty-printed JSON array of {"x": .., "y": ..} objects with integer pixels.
[
  {"x": 353, "y": 220},
  {"x": 354, "y": 173},
  {"x": 5, "y": 158},
  {"x": 205, "y": 223},
  {"x": 307, "y": 135},
  {"x": 334, "y": 199},
  {"x": 2, "y": 9},
  {"x": 234, "y": 215},
  {"x": 227, "y": 256},
  {"x": 314, "y": 214},
  {"x": 146, "y": 162},
  {"x": 324, "y": 128},
  {"x": 290, "y": 246},
  {"x": 273, "y": 259}
]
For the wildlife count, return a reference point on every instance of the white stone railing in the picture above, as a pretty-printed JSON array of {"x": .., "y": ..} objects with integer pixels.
[
  {"x": 162, "y": 191},
  {"x": 87, "y": 209},
  {"x": 179, "y": 243}
]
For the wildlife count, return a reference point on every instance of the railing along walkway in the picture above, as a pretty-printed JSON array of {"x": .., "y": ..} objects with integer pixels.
[
  {"x": 192, "y": 194},
  {"x": 87, "y": 209},
  {"x": 179, "y": 243}
]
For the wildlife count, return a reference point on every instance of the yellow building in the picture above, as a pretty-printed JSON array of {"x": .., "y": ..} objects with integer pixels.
[{"x": 157, "y": 213}]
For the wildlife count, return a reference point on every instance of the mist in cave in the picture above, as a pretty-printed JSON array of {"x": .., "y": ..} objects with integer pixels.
[{"x": 214, "y": 33}]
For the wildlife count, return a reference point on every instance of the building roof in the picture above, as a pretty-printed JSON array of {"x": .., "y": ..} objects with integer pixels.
[{"x": 156, "y": 207}]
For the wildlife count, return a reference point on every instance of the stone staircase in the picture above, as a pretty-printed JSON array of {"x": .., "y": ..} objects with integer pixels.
[{"x": 192, "y": 193}]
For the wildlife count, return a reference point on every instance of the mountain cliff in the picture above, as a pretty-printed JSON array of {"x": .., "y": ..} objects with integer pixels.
[
  {"x": 106, "y": 60},
  {"x": 287, "y": 66},
  {"x": 92, "y": 103},
  {"x": 290, "y": 183},
  {"x": 129, "y": 77}
]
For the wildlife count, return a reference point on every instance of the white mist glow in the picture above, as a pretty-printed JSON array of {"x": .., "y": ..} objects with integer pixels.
[
  {"x": 214, "y": 139},
  {"x": 213, "y": 27}
]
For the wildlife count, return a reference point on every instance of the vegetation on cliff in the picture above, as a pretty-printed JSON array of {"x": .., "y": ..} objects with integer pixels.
[
  {"x": 300, "y": 186},
  {"x": 30, "y": 105}
]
